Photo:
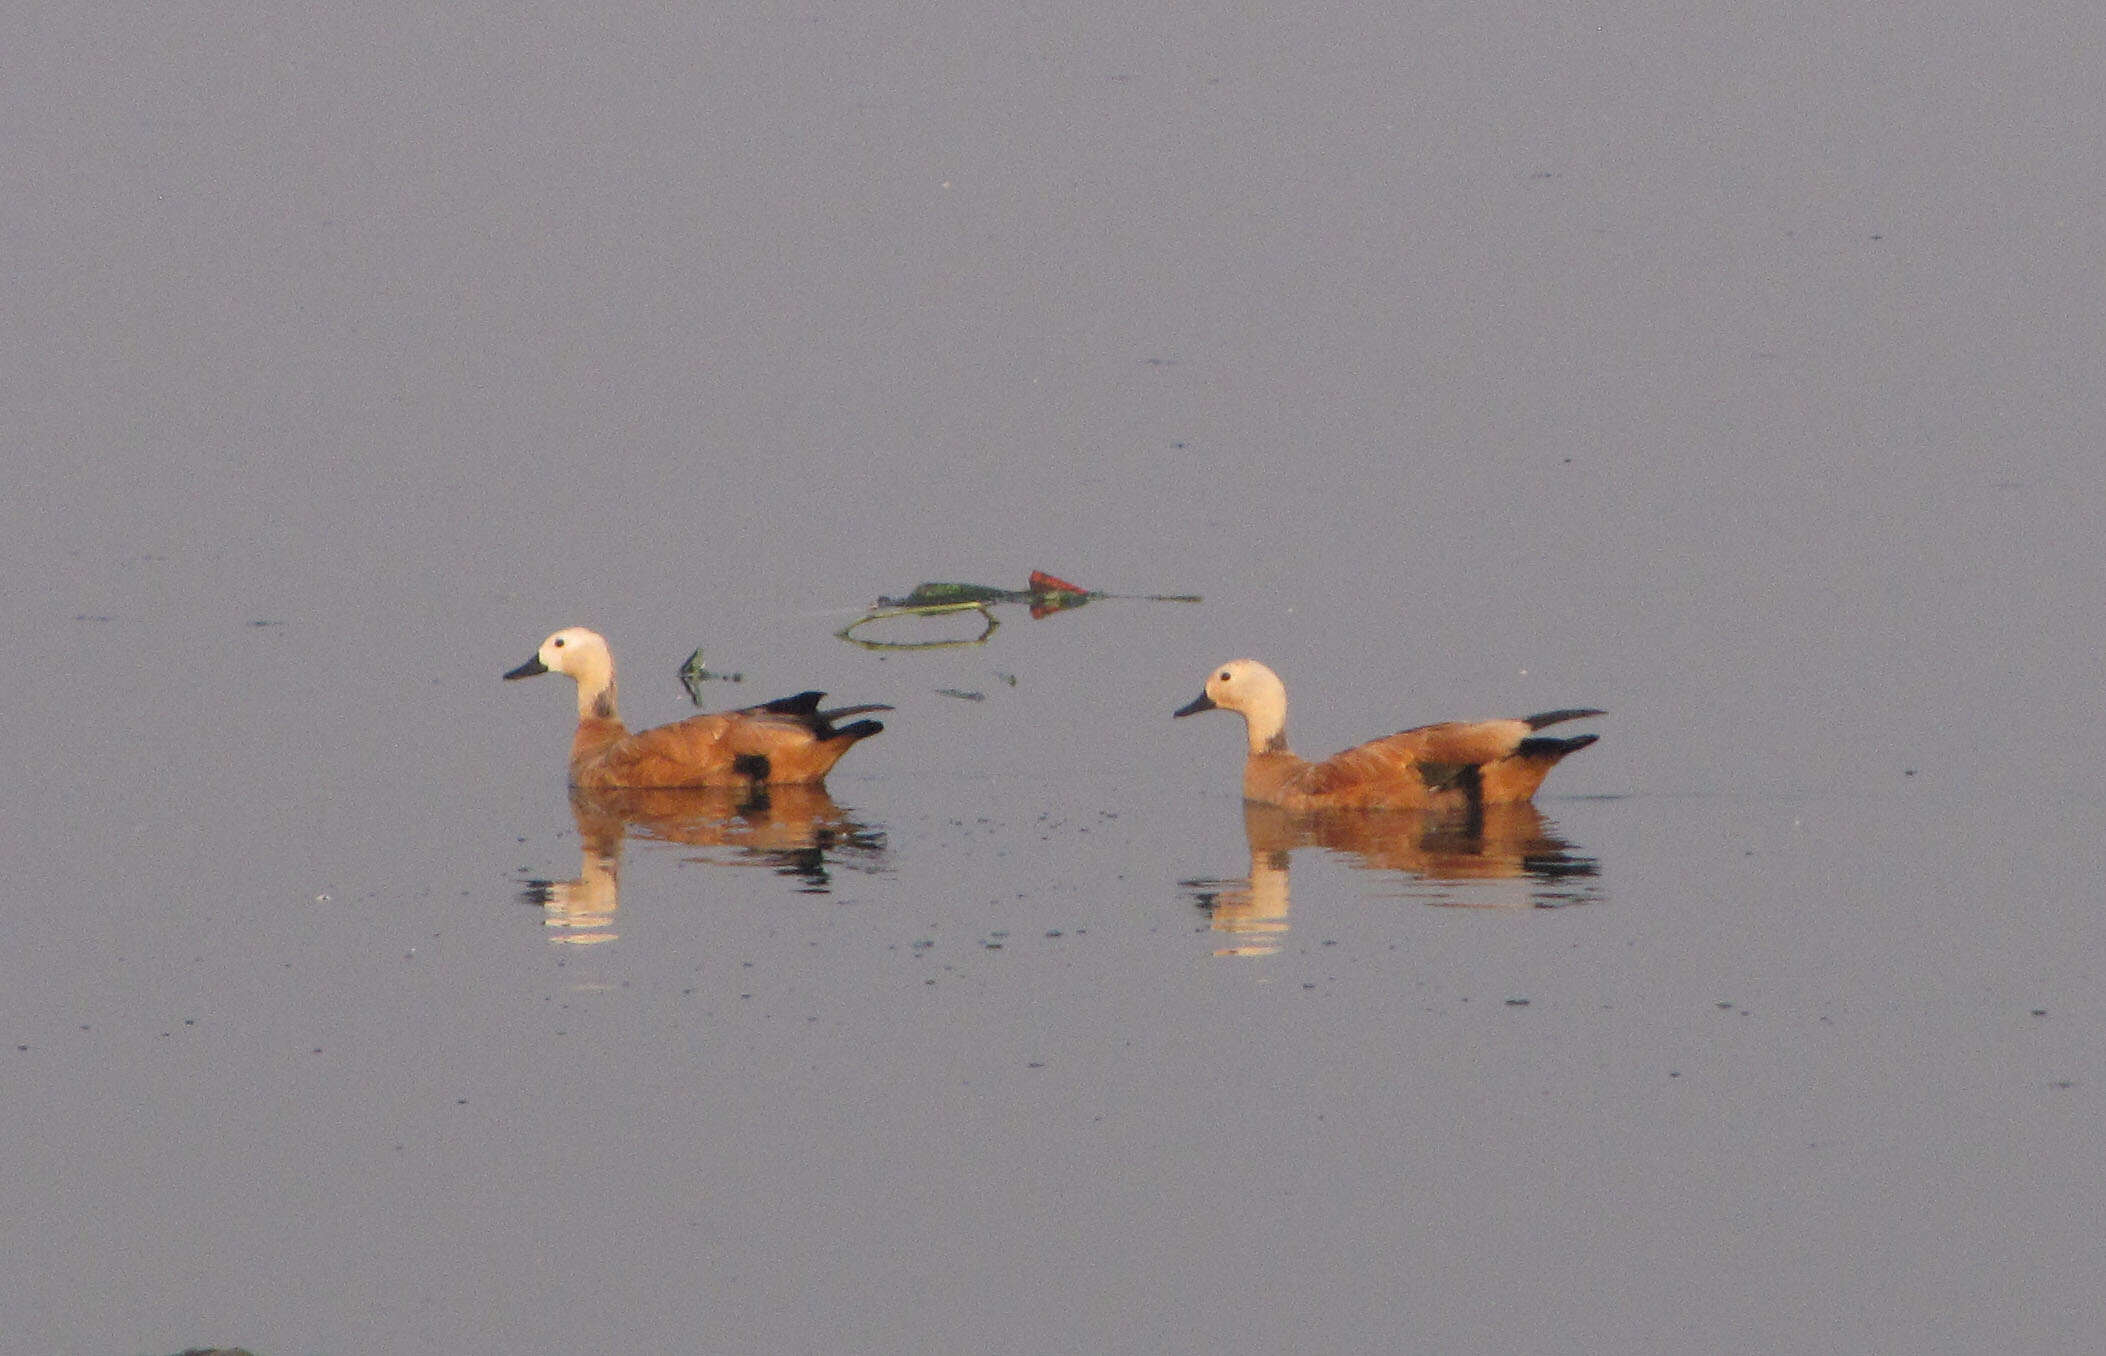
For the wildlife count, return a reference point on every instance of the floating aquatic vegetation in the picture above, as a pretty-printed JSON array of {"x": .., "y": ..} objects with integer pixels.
[
  {"x": 1044, "y": 595},
  {"x": 694, "y": 673},
  {"x": 881, "y": 613}
]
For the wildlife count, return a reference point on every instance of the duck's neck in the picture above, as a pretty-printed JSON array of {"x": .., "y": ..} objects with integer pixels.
[
  {"x": 597, "y": 705},
  {"x": 1266, "y": 725},
  {"x": 596, "y": 691},
  {"x": 596, "y": 731},
  {"x": 599, "y": 721}
]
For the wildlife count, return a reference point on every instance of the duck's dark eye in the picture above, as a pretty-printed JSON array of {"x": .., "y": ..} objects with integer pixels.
[
  {"x": 557, "y": 642},
  {"x": 1224, "y": 675}
]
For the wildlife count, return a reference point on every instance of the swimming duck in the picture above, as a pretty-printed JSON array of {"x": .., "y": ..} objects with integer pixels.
[
  {"x": 789, "y": 740},
  {"x": 1452, "y": 765}
]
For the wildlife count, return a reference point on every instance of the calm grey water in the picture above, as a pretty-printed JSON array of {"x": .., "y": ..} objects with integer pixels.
[{"x": 1737, "y": 373}]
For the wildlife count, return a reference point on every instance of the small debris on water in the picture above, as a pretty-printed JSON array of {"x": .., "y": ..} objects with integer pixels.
[{"x": 694, "y": 673}]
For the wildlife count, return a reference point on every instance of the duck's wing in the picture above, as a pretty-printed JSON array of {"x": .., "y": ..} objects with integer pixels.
[
  {"x": 802, "y": 748},
  {"x": 1428, "y": 760}
]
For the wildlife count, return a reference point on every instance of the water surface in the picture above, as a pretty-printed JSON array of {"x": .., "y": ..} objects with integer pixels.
[{"x": 1736, "y": 375}]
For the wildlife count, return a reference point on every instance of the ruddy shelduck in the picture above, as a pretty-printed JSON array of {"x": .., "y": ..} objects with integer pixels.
[
  {"x": 1456, "y": 765},
  {"x": 789, "y": 740}
]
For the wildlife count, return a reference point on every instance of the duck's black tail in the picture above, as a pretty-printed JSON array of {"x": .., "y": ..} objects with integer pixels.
[
  {"x": 806, "y": 705},
  {"x": 831, "y": 716},
  {"x": 1549, "y": 748},
  {"x": 1537, "y": 722},
  {"x": 862, "y": 729}
]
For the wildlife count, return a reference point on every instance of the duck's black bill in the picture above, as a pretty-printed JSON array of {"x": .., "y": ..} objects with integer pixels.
[
  {"x": 529, "y": 669},
  {"x": 1200, "y": 703}
]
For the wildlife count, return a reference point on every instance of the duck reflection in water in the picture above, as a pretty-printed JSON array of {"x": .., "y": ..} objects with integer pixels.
[
  {"x": 798, "y": 832},
  {"x": 1492, "y": 856}
]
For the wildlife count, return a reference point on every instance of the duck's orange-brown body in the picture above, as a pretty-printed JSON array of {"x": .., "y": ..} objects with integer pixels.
[
  {"x": 729, "y": 748},
  {"x": 789, "y": 741},
  {"x": 1454, "y": 765}
]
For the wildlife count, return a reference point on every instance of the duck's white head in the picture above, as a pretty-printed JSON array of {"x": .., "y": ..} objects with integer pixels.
[
  {"x": 584, "y": 656},
  {"x": 1253, "y": 691}
]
